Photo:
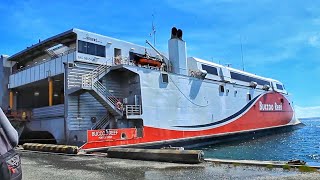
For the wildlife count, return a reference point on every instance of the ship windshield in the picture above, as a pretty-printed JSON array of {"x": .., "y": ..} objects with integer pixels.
[{"x": 279, "y": 86}]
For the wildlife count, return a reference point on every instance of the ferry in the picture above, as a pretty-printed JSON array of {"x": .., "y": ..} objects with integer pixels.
[{"x": 98, "y": 92}]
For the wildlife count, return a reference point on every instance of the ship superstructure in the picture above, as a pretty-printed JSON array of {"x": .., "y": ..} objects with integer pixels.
[{"x": 98, "y": 92}]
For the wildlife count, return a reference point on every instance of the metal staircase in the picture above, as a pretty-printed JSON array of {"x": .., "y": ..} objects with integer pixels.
[
  {"x": 51, "y": 53},
  {"x": 91, "y": 83},
  {"x": 102, "y": 123}
]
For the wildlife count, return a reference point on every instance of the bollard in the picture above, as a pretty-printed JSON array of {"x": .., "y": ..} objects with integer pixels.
[
  {"x": 165, "y": 155},
  {"x": 51, "y": 148}
]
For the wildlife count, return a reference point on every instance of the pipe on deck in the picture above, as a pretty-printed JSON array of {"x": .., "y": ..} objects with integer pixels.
[
  {"x": 11, "y": 99},
  {"x": 50, "y": 91},
  {"x": 165, "y": 155}
]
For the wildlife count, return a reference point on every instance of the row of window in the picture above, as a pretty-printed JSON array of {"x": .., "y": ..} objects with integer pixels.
[
  {"x": 92, "y": 49},
  {"x": 240, "y": 77},
  {"x": 210, "y": 69},
  {"x": 245, "y": 78},
  {"x": 221, "y": 89},
  {"x": 279, "y": 86},
  {"x": 236, "y": 76}
]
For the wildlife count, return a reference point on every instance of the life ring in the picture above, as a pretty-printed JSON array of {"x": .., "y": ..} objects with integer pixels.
[{"x": 119, "y": 105}]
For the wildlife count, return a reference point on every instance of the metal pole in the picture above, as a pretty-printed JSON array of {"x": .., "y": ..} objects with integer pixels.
[{"x": 241, "y": 53}]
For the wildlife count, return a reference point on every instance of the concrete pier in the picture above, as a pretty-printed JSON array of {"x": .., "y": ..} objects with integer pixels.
[{"x": 38, "y": 166}]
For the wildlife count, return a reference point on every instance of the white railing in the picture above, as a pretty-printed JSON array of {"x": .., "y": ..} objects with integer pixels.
[
  {"x": 122, "y": 60},
  {"x": 40, "y": 70},
  {"x": 98, "y": 87},
  {"x": 133, "y": 110},
  {"x": 87, "y": 79},
  {"x": 66, "y": 53}
]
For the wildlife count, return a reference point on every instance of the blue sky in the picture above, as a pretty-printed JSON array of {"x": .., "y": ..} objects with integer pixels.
[{"x": 281, "y": 39}]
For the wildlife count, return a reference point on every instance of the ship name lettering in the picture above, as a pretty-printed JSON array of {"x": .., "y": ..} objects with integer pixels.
[
  {"x": 111, "y": 132},
  {"x": 278, "y": 107},
  {"x": 270, "y": 107},
  {"x": 97, "y": 133}
]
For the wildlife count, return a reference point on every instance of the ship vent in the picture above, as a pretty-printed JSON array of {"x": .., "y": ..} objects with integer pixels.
[{"x": 266, "y": 87}]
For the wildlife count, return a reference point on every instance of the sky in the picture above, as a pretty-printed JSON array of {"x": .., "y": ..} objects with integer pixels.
[{"x": 280, "y": 39}]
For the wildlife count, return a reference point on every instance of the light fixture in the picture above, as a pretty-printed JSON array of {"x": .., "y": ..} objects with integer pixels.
[
  {"x": 55, "y": 95},
  {"x": 36, "y": 93},
  {"x": 109, "y": 42},
  {"x": 131, "y": 49}
]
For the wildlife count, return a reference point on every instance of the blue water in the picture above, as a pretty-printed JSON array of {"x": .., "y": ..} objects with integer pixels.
[{"x": 303, "y": 144}]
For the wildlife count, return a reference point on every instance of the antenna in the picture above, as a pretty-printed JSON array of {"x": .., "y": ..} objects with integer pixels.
[
  {"x": 241, "y": 53},
  {"x": 153, "y": 33}
]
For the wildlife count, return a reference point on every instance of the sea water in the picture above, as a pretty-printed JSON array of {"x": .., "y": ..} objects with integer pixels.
[{"x": 303, "y": 144}]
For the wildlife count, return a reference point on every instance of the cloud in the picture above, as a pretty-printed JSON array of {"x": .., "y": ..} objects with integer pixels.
[
  {"x": 314, "y": 40},
  {"x": 306, "y": 112}
]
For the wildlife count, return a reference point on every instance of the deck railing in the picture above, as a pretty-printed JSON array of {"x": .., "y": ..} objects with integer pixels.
[
  {"x": 133, "y": 110},
  {"x": 47, "y": 60}
]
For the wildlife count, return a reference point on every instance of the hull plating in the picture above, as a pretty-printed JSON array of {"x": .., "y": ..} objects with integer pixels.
[{"x": 266, "y": 111}]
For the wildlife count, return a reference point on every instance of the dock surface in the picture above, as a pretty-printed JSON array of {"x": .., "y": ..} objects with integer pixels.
[{"x": 54, "y": 166}]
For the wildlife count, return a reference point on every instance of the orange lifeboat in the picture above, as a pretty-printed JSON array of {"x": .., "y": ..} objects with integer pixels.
[{"x": 150, "y": 62}]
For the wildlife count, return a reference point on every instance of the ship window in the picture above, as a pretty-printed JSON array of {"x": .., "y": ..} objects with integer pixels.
[
  {"x": 221, "y": 88},
  {"x": 241, "y": 77},
  {"x": 210, "y": 70},
  {"x": 92, "y": 49},
  {"x": 101, "y": 51},
  {"x": 249, "y": 97},
  {"x": 165, "y": 78},
  {"x": 279, "y": 86},
  {"x": 117, "y": 52}
]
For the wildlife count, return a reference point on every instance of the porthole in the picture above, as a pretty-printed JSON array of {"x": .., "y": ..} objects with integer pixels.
[
  {"x": 281, "y": 100},
  {"x": 123, "y": 136}
]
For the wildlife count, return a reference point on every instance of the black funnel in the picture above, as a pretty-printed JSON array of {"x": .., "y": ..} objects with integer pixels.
[{"x": 174, "y": 32}]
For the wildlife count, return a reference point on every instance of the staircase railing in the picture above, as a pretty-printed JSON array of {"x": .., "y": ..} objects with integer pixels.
[
  {"x": 122, "y": 60},
  {"x": 97, "y": 86},
  {"x": 91, "y": 81},
  {"x": 101, "y": 123},
  {"x": 87, "y": 79},
  {"x": 51, "y": 53}
]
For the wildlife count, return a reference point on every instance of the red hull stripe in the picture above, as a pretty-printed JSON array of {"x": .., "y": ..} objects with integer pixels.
[
  {"x": 257, "y": 117},
  {"x": 247, "y": 106}
]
